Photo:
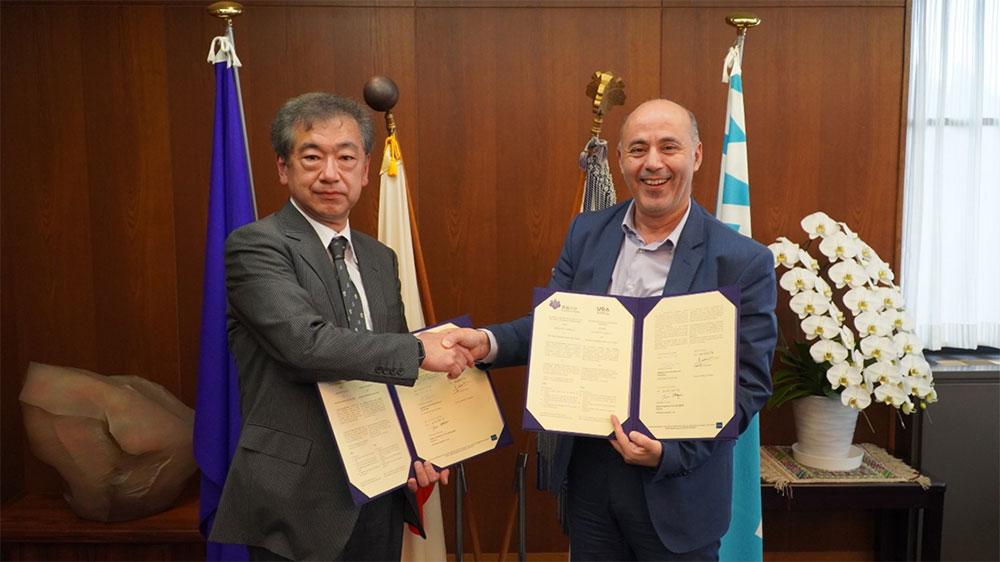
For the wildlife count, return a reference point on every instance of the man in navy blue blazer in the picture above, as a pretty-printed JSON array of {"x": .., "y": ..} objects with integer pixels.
[{"x": 638, "y": 498}]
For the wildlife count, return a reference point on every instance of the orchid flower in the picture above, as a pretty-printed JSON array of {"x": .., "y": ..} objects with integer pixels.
[
  {"x": 891, "y": 394},
  {"x": 856, "y": 396},
  {"x": 908, "y": 342},
  {"x": 879, "y": 272},
  {"x": 829, "y": 351},
  {"x": 847, "y": 338},
  {"x": 878, "y": 348},
  {"x": 808, "y": 261},
  {"x": 836, "y": 315},
  {"x": 891, "y": 297},
  {"x": 867, "y": 254},
  {"x": 809, "y": 302},
  {"x": 822, "y": 287},
  {"x": 921, "y": 388},
  {"x": 839, "y": 246},
  {"x": 915, "y": 366},
  {"x": 844, "y": 374},
  {"x": 860, "y": 299},
  {"x": 820, "y": 327},
  {"x": 872, "y": 323},
  {"x": 819, "y": 225},
  {"x": 797, "y": 279},
  {"x": 848, "y": 272},
  {"x": 785, "y": 252},
  {"x": 882, "y": 372},
  {"x": 901, "y": 320}
]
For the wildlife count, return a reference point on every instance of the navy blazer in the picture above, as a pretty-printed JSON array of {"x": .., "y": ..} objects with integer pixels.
[{"x": 690, "y": 494}]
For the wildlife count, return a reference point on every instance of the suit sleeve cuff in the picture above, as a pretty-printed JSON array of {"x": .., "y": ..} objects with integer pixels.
[{"x": 670, "y": 462}]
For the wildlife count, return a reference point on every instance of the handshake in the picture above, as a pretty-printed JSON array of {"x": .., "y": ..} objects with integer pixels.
[{"x": 453, "y": 351}]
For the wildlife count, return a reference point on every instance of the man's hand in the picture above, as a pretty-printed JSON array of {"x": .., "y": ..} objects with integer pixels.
[
  {"x": 636, "y": 448},
  {"x": 477, "y": 342},
  {"x": 426, "y": 476},
  {"x": 453, "y": 359}
]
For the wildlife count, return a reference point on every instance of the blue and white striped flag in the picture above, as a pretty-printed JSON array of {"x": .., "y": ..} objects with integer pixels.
[
  {"x": 230, "y": 206},
  {"x": 734, "y": 180},
  {"x": 745, "y": 539}
]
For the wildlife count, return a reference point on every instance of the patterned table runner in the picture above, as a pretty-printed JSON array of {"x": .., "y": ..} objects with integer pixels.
[{"x": 779, "y": 468}]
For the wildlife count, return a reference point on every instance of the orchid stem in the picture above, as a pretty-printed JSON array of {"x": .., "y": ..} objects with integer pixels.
[{"x": 870, "y": 426}]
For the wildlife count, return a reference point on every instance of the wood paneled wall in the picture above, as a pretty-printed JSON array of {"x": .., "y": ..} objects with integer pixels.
[{"x": 107, "y": 116}]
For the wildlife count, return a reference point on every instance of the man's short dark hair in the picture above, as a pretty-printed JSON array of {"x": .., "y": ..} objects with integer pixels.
[{"x": 308, "y": 109}]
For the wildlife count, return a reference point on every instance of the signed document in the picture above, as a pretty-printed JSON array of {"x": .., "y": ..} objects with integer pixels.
[
  {"x": 581, "y": 363},
  {"x": 382, "y": 429},
  {"x": 665, "y": 366},
  {"x": 451, "y": 420}
]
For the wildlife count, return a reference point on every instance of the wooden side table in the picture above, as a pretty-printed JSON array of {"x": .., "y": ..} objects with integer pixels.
[{"x": 893, "y": 504}]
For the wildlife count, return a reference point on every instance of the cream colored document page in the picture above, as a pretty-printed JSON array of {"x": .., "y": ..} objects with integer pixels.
[
  {"x": 451, "y": 420},
  {"x": 581, "y": 363},
  {"x": 688, "y": 366},
  {"x": 368, "y": 434}
]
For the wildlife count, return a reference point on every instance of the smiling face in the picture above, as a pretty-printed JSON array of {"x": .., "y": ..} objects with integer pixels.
[
  {"x": 326, "y": 169},
  {"x": 658, "y": 155}
]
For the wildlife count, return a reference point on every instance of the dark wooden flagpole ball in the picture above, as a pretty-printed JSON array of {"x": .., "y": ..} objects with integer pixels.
[{"x": 381, "y": 93}]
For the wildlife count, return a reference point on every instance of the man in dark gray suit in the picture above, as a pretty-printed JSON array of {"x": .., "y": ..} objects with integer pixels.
[{"x": 311, "y": 300}]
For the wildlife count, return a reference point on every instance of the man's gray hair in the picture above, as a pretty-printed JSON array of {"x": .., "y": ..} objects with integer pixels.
[
  {"x": 694, "y": 127},
  {"x": 308, "y": 109}
]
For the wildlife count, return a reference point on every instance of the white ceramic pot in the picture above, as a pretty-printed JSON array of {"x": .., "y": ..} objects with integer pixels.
[{"x": 825, "y": 429}]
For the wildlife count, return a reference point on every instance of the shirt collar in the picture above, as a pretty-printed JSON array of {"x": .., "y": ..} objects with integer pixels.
[
  {"x": 628, "y": 225},
  {"x": 327, "y": 234}
]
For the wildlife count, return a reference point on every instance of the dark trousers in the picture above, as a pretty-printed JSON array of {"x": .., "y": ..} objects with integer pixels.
[
  {"x": 377, "y": 535},
  {"x": 607, "y": 514}
]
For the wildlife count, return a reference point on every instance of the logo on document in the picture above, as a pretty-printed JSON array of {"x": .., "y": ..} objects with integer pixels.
[{"x": 554, "y": 304}]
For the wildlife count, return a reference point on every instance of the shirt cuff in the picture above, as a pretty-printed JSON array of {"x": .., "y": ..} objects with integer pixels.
[{"x": 491, "y": 355}]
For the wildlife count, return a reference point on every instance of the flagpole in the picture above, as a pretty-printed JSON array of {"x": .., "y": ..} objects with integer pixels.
[
  {"x": 744, "y": 540},
  {"x": 382, "y": 94},
  {"x": 231, "y": 204},
  {"x": 742, "y": 21},
  {"x": 227, "y": 10}
]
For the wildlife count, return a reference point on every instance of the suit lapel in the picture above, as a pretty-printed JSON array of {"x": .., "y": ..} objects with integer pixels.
[
  {"x": 371, "y": 279},
  {"x": 605, "y": 254},
  {"x": 309, "y": 247},
  {"x": 688, "y": 254}
]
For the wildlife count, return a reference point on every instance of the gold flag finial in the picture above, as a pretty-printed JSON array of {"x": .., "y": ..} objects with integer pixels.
[
  {"x": 225, "y": 10},
  {"x": 742, "y": 21},
  {"x": 607, "y": 91}
]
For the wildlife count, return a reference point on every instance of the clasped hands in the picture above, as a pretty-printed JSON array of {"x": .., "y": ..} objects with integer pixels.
[{"x": 451, "y": 352}]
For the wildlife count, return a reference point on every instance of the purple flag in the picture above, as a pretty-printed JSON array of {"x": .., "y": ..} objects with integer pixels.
[{"x": 230, "y": 205}]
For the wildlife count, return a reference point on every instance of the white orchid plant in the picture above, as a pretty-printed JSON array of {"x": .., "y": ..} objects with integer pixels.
[{"x": 868, "y": 352}]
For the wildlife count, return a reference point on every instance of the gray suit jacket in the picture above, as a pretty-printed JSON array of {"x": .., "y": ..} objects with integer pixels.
[{"x": 286, "y": 490}]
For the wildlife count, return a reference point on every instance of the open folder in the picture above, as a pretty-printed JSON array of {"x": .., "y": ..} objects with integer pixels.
[
  {"x": 382, "y": 429},
  {"x": 665, "y": 366}
]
